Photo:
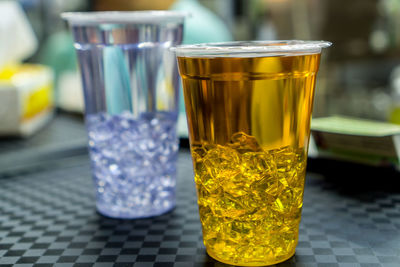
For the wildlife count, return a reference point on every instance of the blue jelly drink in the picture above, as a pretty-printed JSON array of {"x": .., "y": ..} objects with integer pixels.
[
  {"x": 133, "y": 162},
  {"x": 130, "y": 84}
]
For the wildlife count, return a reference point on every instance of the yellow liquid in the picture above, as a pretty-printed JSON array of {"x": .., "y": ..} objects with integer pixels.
[{"x": 249, "y": 124}]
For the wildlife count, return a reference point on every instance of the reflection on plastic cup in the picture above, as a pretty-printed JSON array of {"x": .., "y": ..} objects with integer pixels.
[
  {"x": 130, "y": 83},
  {"x": 249, "y": 107}
]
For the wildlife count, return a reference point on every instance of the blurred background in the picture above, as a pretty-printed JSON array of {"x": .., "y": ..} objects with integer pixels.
[{"x": 360, "y": 74}]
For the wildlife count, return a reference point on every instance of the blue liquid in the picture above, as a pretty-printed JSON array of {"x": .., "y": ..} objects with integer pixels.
[{"x": 134, "y": 162}]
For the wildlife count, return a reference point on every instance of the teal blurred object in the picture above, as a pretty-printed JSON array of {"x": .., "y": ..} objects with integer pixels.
[
  {"x": 117, "y": 81},
  {"x": 59, "y": 54},
  {"x": 202, "y": 26}
]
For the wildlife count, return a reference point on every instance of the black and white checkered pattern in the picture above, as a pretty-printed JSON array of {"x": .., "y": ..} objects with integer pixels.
[{"x": 48, "y": 218}]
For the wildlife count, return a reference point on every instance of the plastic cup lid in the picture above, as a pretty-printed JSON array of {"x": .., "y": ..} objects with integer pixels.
[
  {"x": 123, "y": 17},
  {"x": 251, "y": 48}
]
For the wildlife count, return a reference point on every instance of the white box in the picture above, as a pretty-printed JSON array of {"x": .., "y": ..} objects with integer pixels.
[{"x": 26, "y": 99}]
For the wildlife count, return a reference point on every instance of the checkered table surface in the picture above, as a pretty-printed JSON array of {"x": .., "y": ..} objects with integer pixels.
[
  {"x": 48, "y": 218},
  {"x": 63, "y": 125}
]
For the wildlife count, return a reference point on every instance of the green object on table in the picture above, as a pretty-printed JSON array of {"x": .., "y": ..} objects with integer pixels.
[
  {"x": 358, "y": 140},
  {"x": 354, "y": 126}
]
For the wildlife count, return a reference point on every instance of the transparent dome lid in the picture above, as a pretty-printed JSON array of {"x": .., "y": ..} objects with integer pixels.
[{"x": 251, "y": 48}]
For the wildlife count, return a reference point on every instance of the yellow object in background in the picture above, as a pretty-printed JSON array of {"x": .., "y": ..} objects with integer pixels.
[
  {"x": 37, "y": 102},
  {"x": 394, "y": 116},
  {"x": 8, "y": 72},
  {"x": 26, "y": 98}
]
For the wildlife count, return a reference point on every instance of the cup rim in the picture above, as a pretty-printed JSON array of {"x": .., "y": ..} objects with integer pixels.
[
  {"x": 119, "y": 17},
  {"x": 251, "y": 48}
]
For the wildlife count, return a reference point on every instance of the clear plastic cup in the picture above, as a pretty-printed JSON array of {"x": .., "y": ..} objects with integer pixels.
[
  {"x": 130, "y": 83},
  {"x": 248, "y": 107}
]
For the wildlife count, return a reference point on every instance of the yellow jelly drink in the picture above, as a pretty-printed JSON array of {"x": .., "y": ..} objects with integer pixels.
[{"x": 249, "y": 124}]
